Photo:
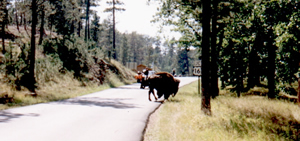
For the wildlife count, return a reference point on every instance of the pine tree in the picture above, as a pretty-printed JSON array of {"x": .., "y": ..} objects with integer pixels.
[
  {"x": 32, "y": 49},
  {"x": 206, "y": 94},
  {"x": 3, "y": 21},
  {"x": 124, "y": 51},
  {"x": 95, "y": 28},
  {"x": 113, "y": 9}
]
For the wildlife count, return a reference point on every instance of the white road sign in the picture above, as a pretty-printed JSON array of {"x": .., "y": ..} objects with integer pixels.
[{"x": 197, "y": 71}]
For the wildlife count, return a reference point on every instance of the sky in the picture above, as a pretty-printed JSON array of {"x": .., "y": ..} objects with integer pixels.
[{"x": 137, "y": 17}]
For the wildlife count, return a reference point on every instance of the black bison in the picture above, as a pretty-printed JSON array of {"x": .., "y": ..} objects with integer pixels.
[{"x": 164, "y": 83}]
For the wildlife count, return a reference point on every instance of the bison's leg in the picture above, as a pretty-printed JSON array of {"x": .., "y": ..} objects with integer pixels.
[
  {"x": 154, "y": 94},
  {"x": 151, "y": 90},
  {"x": 166, "y": 96},
  {"x": 159, "y": 94}
]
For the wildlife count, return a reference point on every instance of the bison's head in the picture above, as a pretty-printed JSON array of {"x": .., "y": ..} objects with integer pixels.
[{"x": 176, "y": 86}]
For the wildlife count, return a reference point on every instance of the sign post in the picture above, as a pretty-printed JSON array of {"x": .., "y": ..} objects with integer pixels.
[{"x": 197, "y": 72}]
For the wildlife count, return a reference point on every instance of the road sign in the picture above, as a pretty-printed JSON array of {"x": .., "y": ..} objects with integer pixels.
[{"x": 197, "y": 71}]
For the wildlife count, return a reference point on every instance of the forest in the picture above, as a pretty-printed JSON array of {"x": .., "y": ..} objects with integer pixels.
[
  {"x": 69, "y": 37},
  {"x": 242, "y": 43}
]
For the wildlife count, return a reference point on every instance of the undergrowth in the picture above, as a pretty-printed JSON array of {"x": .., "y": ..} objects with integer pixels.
[
  {"x": 64, "y": 68},
  {"x": 54, "y": 85}
]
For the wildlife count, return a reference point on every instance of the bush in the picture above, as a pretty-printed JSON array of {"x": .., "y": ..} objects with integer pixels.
[
  {"x": 48, "y": 68},
  {"x": 78, "y": 56},
  {"x": 16, "y": 68}
]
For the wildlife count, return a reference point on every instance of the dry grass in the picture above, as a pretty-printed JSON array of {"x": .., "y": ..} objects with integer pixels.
[{"x": 245, "y": 118}]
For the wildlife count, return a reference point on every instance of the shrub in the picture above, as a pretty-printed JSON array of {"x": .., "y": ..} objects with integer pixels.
[{"x": 16, "y": 68}]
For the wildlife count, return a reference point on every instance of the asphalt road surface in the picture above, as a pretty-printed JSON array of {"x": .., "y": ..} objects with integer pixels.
[{"x": 117, "y": 114}]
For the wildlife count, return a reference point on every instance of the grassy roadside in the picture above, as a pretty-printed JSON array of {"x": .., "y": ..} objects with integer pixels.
[
  {"x": 64, "y": 86},
  {"x": 246, "y": 118}
]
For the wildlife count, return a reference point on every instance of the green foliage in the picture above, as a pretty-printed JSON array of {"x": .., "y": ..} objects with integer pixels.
[
  {"x": 75, "y": 55},
  {"x": 95, "y": 28},
  {"x": 48, "y": 68},
  {"x": 251, "y": 35},
  {"x": 183, "y": 62},
  {"x": 63, "y": 48},
  {"x": 16, "y": 68}
]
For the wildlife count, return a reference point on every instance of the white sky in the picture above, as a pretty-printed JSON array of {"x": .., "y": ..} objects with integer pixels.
[{"x": 137, "y": 18}]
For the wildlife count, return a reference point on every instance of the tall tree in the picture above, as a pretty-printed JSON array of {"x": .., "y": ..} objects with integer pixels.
[
  {"x": 106, "y": 36},
  {"x": 271, "y": 51},
  {"x": 42, "y": 23},
  {"x": 124, "y": 51},
  {"x": 32, "y": 49},
  {"x": 3, "y": 21},
  {"x": 205, "y": 106},
  {"x": 95, "y": 28},
  {"x": 183, "y": 60},
  {"x": 113, "y": 9},
  {"x": 87, "y": 20},
  {"x": 214, "y": 51}
]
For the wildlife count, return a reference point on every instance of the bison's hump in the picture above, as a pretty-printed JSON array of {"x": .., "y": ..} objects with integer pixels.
[
  {"x": 176, "y": 80},
  {"x": 165, "y": 74}
]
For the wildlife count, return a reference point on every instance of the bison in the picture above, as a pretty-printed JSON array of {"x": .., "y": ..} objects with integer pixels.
[{"x": 164, "y": 83}]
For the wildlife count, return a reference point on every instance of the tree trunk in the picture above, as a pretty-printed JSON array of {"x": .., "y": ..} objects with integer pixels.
[
  {"x": 24, "y": 22},
  {"x": 21, "y": 19},
  {"x": 79, "y": 28},
  {"x": 114, "y": 33},
  {"x": 271, "y": 65},
  {"x": 186, "y": 57},
  {"x": 254, "y": 75},
  {"x": 42, "y": 26},
  {"x": 223, "y": 68},
  {"x": 239, "y": 76},
  {"x": 3, "y": 25},
  {"x": 214, "y": 53},
  {"x": 32, "y": 49},
  {"x": 205, "y": 106},
  {"x": 51, "y": 27},
  {"x": 17, "y": 20},
  {"x": 298, "y": 94},
  {"x": 87, "y": 20},
  {"x": 3, "y": 38}
]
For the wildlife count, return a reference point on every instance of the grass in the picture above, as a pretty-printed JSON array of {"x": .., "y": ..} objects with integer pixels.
[{"x": 246, "y": 118}]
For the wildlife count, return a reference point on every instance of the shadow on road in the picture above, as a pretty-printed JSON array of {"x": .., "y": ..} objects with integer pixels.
[
  {"x": 119, "y": 103},
  {"x": 7, "y": 116},
  {"x": 170, "y": 100},
  {"x": 133, "y": 86},
  {"x": 137, "y": 88}
]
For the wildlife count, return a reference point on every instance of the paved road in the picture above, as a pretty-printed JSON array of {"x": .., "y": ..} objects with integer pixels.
[{"x": 118, "y": 114}]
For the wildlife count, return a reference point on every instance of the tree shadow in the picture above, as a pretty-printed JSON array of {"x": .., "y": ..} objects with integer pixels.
[
  {"x": 6, "y": 116},
  {"x": 130, "y": 88},
  {"x": 170, "y": 100},
  {"x": 160, "y": 101},
  {"x": 118, "y": 103},
  {"x": 133, "y": 86}
]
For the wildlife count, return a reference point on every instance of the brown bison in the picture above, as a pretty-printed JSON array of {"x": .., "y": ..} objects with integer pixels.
[{"x": 164, "y": 83}]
